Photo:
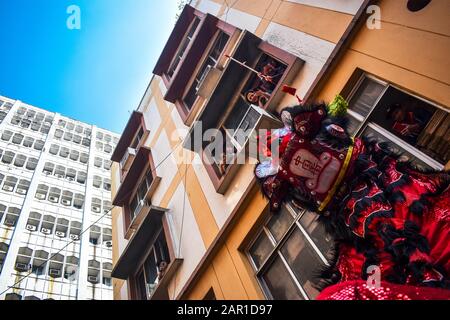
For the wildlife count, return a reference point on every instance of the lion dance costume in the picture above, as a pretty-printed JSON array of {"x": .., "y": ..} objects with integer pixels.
[{"x": 381, "y": 211}]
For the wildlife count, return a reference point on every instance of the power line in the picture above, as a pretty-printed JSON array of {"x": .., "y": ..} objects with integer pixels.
[{"x": 90, "y": 226}]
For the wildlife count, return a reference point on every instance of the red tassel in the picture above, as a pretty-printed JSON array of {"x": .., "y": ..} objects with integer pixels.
[{"x": 292, "y": 91}]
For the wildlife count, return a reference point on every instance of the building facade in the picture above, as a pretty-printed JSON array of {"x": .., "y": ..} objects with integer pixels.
[
  {"x": 200, "y": 229},
  {"x": 54, "y": 184}
]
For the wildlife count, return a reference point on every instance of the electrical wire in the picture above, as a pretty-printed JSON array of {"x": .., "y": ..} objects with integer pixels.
[{"x": 90, "y": 226}]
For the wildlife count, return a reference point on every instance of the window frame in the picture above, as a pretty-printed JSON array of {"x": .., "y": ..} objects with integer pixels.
[
  {"x": 350, "y": 91},
  {"x": 278, "y": 245}
]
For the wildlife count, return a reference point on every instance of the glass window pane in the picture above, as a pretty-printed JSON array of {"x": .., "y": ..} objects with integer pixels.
[
  {"x": 317, "y": 233},
  {"x": 280, "y": 223},
  {"x": 280, "y": 283},
  {"x": 261, "y": 249},
  {"x": 365, "y": 97},
  {"x": 303, "y": 260}
]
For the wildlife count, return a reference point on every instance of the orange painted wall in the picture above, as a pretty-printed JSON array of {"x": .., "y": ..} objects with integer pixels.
[{"x": 410, "y": 50}]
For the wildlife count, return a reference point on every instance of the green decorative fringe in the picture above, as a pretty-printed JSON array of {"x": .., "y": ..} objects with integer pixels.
[{"x": 338, "y": 108}]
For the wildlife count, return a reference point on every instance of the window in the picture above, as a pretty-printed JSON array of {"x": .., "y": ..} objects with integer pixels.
[
  {"x": 97, "y": 181},
  {"x": 70, "y": 126},
  {"x": 96, "y": 205},
  {"x": 108, "y": 148},
  {"x": 10, "y": 184},
  {"x": 8, "y": 157},
  {"x": 71, "y": 174},
  {"x": 60, "y": 172},
  {"x": 54, "y": 195},
  {"x": 67, "y": 198},
  {"x": 106, "y": 276},
  {"x": 54, "y": 149},
  {"x": 17, "y": 138},
  {"x": 107, "y": 237},
  {"x": 74, "y": 155},
  {"x": 84, "y": 158},
  {"x": 68, "y": 136},
  {"x": 76, "y": 139},
  {"x": 95, "y": 235},
  {"x": 107, "y": 165},
  {"x": 93, "y": 271},
  {"x": 55, "y": 267},
  {"x": 288, "y": 252},
  {"x": 3, "y": 251},
  {"x": 41, "y": 192},
  {"x": 183, "y": 46},
  {"x": 48, "y": 168},
  {"x": 136, "y": 141},
  {"x": 416, "y": 128},
  {"x": 39, "y": 262},
  {"x": 62, "y": 227},
  {"x": 2, "y": 211},
  {"x": 107, "y": 206},
  {"x": 153, "y": 269},
  {"x": 23, "y": 260},
  {"x": 31, "y": 164},
  {"x": 48, "y": 224},
  {"x": 22, "y": 187},
  {"x": 28, "y": 142},
  {"x": 138, "y": 201},
  {"x": 12, "y": 215},
  {"x": 39, "y": 145},
  {"x": 99, "y": 146},
  {"x": 64, "y": 152},
  {"x": 20, "y": 160},
  {"x": 75, "y": 230},
  {"x": 78, "y": 201},
  {"x": 81, "y": 177},
  {"x": 98, "y": 162},
  {"x": 107, "y": 184},
  {"x": 71, "y": 268},
  {"x": 79, "y": 129},
  {"x": 59, "y": 133},
  {"x": 34, "y": 220},
  {"x": 86, "y": 142},
  {"x": 210, "y": 62}
]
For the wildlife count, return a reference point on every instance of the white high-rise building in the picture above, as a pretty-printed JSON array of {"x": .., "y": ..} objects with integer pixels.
[{"x": 54, "y": 184}]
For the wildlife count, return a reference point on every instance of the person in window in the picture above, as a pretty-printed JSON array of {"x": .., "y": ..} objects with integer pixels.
[
  {"x": 265, "y": 83},
  {"x": 406, "y": 124}
]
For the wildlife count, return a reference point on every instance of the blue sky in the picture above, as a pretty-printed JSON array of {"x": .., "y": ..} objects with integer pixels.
[{"x": 97, "y": 74}]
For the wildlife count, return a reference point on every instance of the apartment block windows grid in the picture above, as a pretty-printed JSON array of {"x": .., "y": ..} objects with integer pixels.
[{"x": 54, "y": 214}]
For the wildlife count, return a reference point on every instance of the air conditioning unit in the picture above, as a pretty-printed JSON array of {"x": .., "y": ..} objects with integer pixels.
[
  {"x": 54, "y": 272},
  {"x": 70, "y": 179},
  {"x": 96, "y": 209},
  {"x": 46, "y": 231},
  {"x": 8, "y": 188},
  {"x": 47, "y": 173},
  {"x": 30, "y": 227},
  {"x": 108, "y": 244},
  {"x": 60, "y": 176},
  {"x": 93, "y": 279},
  {"x": 53, "y": 199},
  {"x": 74, "y": 237},
  {"x": 21, "y": 191},
  {"x": 65, "y": 202},
  {"x": 22, "y": 266},
  {"x": 40, "y": 196},
  {"x": 60, "y": 234}
]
